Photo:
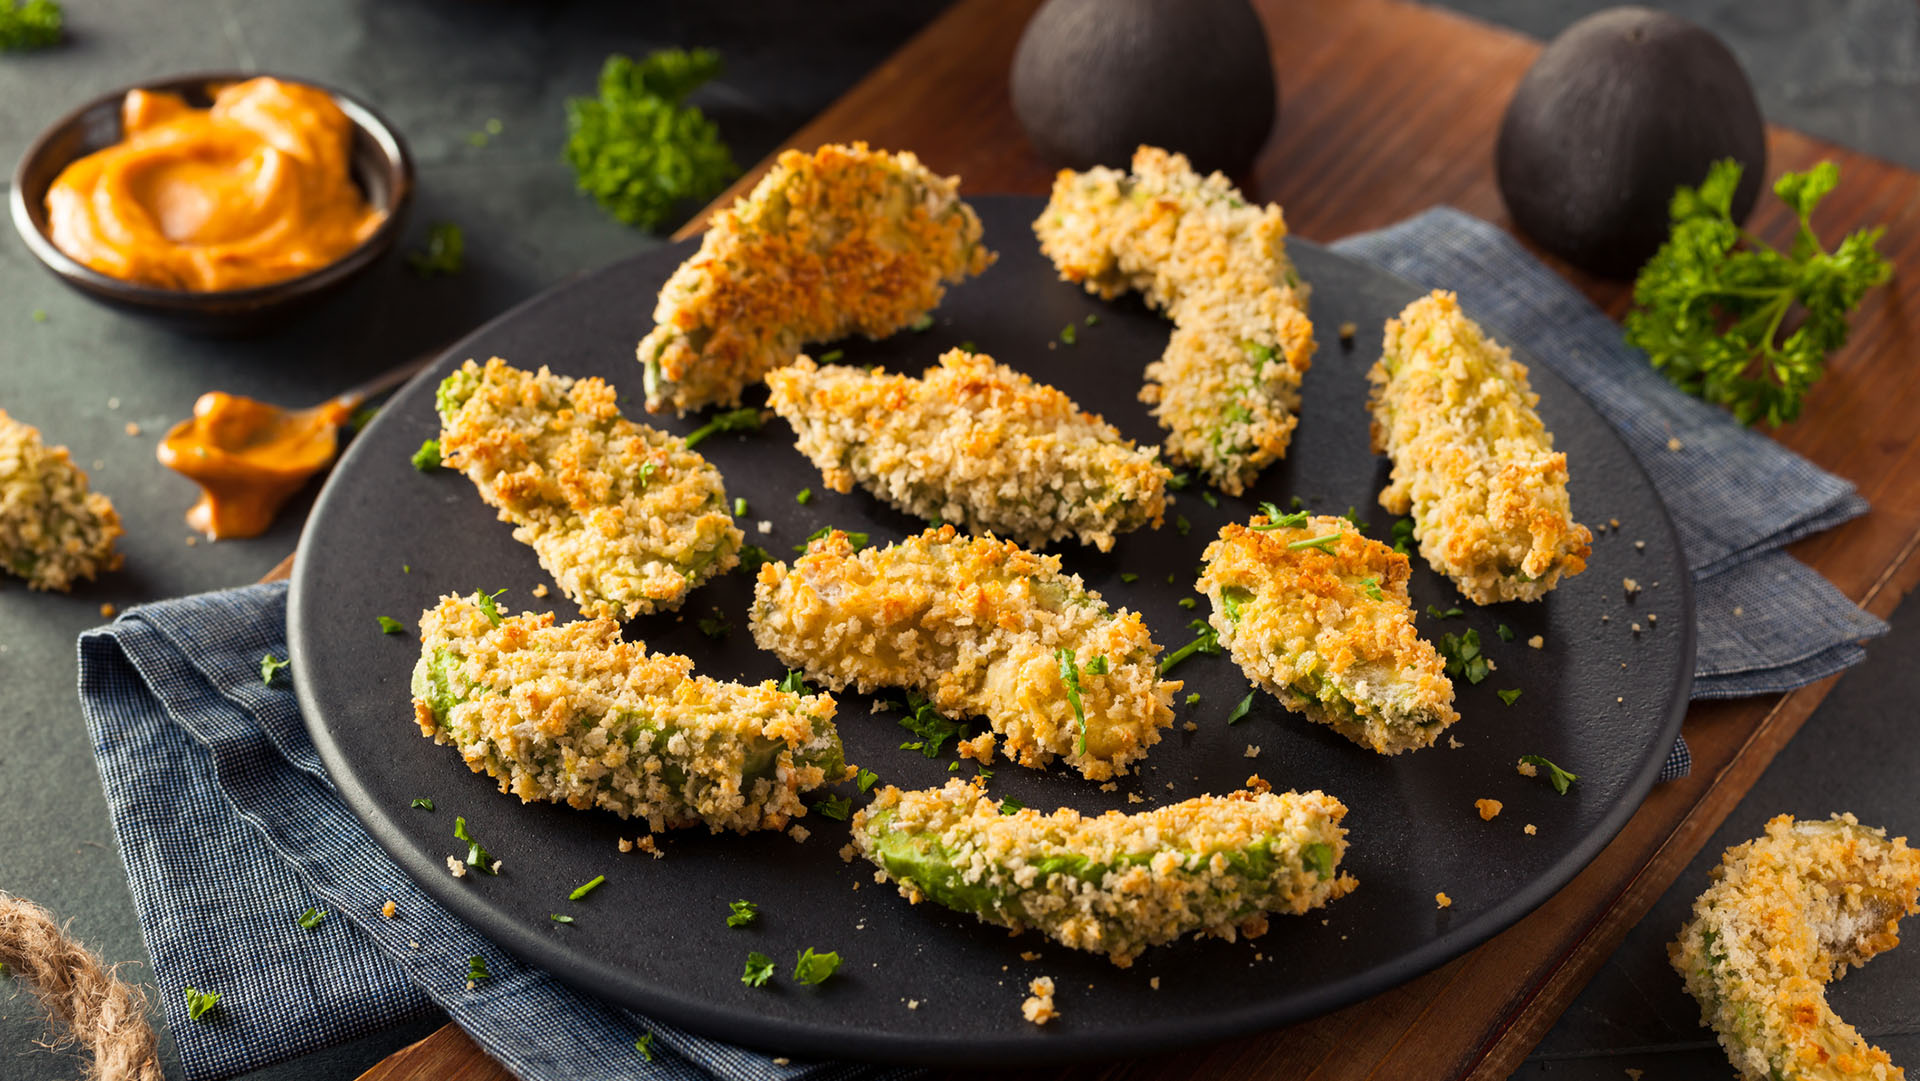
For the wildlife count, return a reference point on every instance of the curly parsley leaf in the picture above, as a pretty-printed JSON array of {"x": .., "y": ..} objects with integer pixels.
[
  {"x": 34, "y": 24},
  {"x": 390, "y": 625},
  {"x": 427, "y": 458},
  {"x": 422, "y": 803},
  {"x": 636, "y": 148},
  {"x": 477, "y": 969},
  {"x": 200, "y": 1002},
  {"x": 270, "y": 666},
  {"x": 834, "y": 807},
  {"x": 477, "y": 855},
  {"x": 1559, "y": 778},
  {"x": 752, "y": 558},
  {"x": 487, "y": 605},
  {"x": 743, "y": 913},
  {"x": 1713, "y": 306},
  {"x": 812, "y": 968},
  {"x": 1463, "y": 655},
  {"x": 644, "y": 1045},
  {"x": 930, "y": 725},
  {"x": 1010, "y": 805},
  {"x": 866, "y": 779},
  {"x": 759, "y": 969},
  {"x": 794, "y": 682}
]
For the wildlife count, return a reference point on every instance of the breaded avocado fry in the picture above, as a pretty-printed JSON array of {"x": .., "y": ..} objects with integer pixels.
[
  {"x": 1786, "y": 914},
  {"x": 624, "y": 516},
  {"x": 1115, "y": 883},
  {"x": 1227, "y": 389},
  {"x": 574, "y": 715},
  {"x": 841, "y": 241},
  {"x": 1318, "y": 615},
  {"x": 979, "y": 626},
  {"x": 53, "y": 529},
  {"x": 1472, "y": 461},
  {"x": 975, "y": 443}
]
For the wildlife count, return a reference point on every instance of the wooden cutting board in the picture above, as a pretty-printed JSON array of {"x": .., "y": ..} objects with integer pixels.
[{"x": 1388, "y": 108}]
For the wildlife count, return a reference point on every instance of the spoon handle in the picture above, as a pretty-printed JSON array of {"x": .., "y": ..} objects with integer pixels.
[{"x": 387, "y": 380}]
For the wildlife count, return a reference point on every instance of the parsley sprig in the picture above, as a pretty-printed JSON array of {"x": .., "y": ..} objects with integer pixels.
[
  {"x": 734, "y": 420},
  {"x": 1208, "y": 642},
  {"x": 477, "y": 855},
  {"x": 1559, "y": 778},
  {"x": 32, "y": 24},
  {"x": 1713, "y": 305},
  {"x": 811, "y": 967},
  {"x": 636, "y": 148},
  {"x": 1070, "y": 675}
]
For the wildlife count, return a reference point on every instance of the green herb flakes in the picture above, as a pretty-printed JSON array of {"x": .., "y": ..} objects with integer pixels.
[
  {"x": 477, "y": 969},
  {"x": 1207, "y": 497},
  {"x": 1509, "y": 697},
  {"x": 477, "y": 855},
  {"x": 1324, "y": 543},
  {"x": 1505, "y": 632},
  {"x": 752, "y": 558},
  {"x": 856, "y": 541},
  {"x": 834, "y": 807},
  {"x": 865, "y": 780},
  {"x": 933, "y": 729},
  {"x": 1436, "y": 613},
  {"x": 32, "y": 24},
  {"x": 1463, "y": 655},
  {"x": 580, "y": 892},
  {"x": 390, "y": 625},
  {"x": 832, "y": 355},
  {"x": 270, "y": 666},
  {"x": 558, "y": 918},
  {"x": 742, "y": 913},
  {"x": 445, "y": 253},
  {"x": 1193, "y": 699},
  {"x": 739, "y": 506},
  {"x": 735, "y": 420},
  {"x": 1070, "y": 675},
  {"x": 488, "y": 604},
  {"x": 311, "y": 918},
  {"x": 644, "y": 1045},
  {"x": 1129, "y": 577},
  {"x": 1010, "y": 805},
  {"x": 1559, "y": 778},
  {"x": 201, "y": 1003},
  {"x": 714, "y": 626},
  {"x": 427, "y": 458},
  {"x": 1207, "y": 642},
  {"x": 1096, "y": 667},
  {"x": 1240, "y": 711},
  {"x": 759, "y": 970},
  {"x": 1070, "y": 334},
  {"x": 422, "y": 803},
  {"x": 1373, "y": 588},
  {"x": 814, "y": 968},
  {"x": 804, "y": 496},
  {"x": 1181, "y": 524},
  {"x": 794, "y": 682}
]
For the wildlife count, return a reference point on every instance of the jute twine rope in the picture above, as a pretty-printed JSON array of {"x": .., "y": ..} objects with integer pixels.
[{"x": 97, "y": 1011}]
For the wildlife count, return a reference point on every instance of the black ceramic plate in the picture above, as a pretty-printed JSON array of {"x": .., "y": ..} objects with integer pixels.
[{"x": 1599, "y": 699}]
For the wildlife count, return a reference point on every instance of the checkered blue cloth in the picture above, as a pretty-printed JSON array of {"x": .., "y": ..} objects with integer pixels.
[{"x": 230, "y": 828}]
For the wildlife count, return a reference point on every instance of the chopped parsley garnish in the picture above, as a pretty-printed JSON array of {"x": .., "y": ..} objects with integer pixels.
[
  {"x": 1403, "y": 536},
  {"x": 813, "y": 968},
  {"x": 968, "y": 347},
  {"x": 1096, "y": 666},
  {"x": 477, "y": 855},
  {"x": 647, "y": 469},
  {"x": 742, "y": 913},
  {"x": 1435, "y": 612},
  {"x": 1240, "y": 711},
  {"x": 558, "y": 918},
  {"x": 637, "y": 148},
  {"x": 1193, "y": 699},
  {"x": 1129, "y": 577},
  {"x": 422, "y": 803},
  {"x": 856, "y": 540},
  {"x": 1324, "y": 543},
  {"x": 34, "y": 24},
  {"x": 477, "y": 969},
  {"x": 832, "y": 355},
  {"x": 1318, "y": 856},
  {"x": 311, "y": 918},
  {"x": 1207, "y": 497},
  {"x": 866, "y": 779},
  {"x": 427, "y": 458},
  {"x": 1559, "y": 778},
  {"x": 1208, "y": 642},
  {"x": 739, "y": 506},
  {"x": 759, "y": 969},
  {"x": 1070, "y": 675},
  {"x": 752, "y": 558},
  {"x": 199, "y": 1003},
  {"x": 644, "y": 1045},
  {"x": 715, "y": 625},
  {"x": 1505, "y": 632},
  {"x": 1353, "y": 515},
  {"x": 1010, "y": 805},
  {"x": 1180, "y": 523},
  {"x": 1092, "y": 320},
  {"x": 922, "y": 324},
  {"x": 485, "y": 602},
  {"x": 270, "y": 666},
  {"x": 445, "y": 253},
  {"x": 581, "y": 891},
  {"x": 362, "y": 417},
  {"x": 734, "y": 420},
  {"x": 933, "y": 729},
  {"x": 1373, "y": 588},
  {"x": 1232, "y": 598},
  {"x": 1189, "y": 603},
  {"x": 794, "y": 682},
  {"x": 390, "y": 625},
  {"x": 1463, "y": 655},
  {"x": 1277, "y": 520},
  {"x": 1178, "y": 482},
  {"x": 1070, "y": 334},
  {"x": 834, "y": 807},
  {"x": 803, "y": 496},
  {"x": 1509, "y": 697}
]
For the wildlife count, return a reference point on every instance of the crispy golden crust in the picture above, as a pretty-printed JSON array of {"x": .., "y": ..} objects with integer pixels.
[
  {"x": 975, "y": 443},
  {"x": 1114, "y": 883},
  {"x": 1787, "y": 913},
  {"x": 1472, "y": 462},
  {"x": 841, "y": 241},
  {"x": 574, "y": 715},
  {"x": 977, "y": 625},
  {"x": 1227, "y": 389},
  {"x": 624, "y": 516},
  {"x": 1327, "y": 628},
  {"x": 53, "y": 529}
]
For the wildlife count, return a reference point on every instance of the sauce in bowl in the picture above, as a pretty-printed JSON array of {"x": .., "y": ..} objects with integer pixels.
[{"x": 254, "y": 190}]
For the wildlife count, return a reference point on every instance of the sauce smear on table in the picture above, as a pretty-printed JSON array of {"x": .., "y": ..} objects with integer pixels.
[{"x": 249, "y": 457}]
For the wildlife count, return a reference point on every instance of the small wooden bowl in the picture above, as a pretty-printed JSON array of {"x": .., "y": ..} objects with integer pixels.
[{"x": 381, "y": 168}]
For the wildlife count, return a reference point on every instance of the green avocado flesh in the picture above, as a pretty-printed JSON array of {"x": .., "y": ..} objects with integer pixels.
[{"x": 454, "y": 391}]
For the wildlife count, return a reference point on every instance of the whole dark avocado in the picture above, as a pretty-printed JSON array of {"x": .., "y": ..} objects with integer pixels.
[
  {"x": 1619, "y": 110},
  {"x": 1094, "y": 79}
]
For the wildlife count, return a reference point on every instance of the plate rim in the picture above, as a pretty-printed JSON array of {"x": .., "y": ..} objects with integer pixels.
[{"x": 783, "y": 1036}]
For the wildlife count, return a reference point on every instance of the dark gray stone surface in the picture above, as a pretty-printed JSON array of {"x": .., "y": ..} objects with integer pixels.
[{"x": 1845, "y": 69}]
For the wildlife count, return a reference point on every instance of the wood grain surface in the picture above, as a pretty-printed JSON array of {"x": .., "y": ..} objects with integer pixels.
[{"x": 1388, "y": 108}]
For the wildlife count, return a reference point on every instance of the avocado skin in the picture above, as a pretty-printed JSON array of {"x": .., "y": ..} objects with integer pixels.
[
  {"x": 1094, "y": 79},
  {"x": 1619, "y": 110}
]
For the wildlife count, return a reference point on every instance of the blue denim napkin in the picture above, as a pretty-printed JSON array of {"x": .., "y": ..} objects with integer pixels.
[{"x": 230, "y": 828}]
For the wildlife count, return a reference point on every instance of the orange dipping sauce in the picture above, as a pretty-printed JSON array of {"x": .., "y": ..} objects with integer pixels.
[
  {"x": 252, "y": 191},
  {"x": 249, "y": 457}
]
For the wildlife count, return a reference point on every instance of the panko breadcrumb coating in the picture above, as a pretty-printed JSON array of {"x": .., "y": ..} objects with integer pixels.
[
  {"x": 841, "y": 241},
  {"x": 1319, "y": 616},
  {"x": 53, "y": 529},
  {"x": 1472, "y": 462},
  {"x": 1114, "y": 883},
  {"x": 980, "y": 626},
  {"x": 1227, "y": 389},
  {"x": 574, "y": 715},
  {"x": 1787, "y": 913},
  {"x": 975, "y": 443},
  {"x": 624, "y": 516}
]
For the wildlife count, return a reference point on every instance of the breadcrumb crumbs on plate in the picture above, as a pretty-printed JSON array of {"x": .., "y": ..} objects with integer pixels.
[
  {"x": 1134, "y": 797},
  {"x": 1453, "y": 743},
  {"x": 458, "y": 869},
  {"x": 799, "y": 833},
  {"x": 107, "y": 611},
  {"x": 626, "y": 845},
  {"x": 132, "y": 428},
  {"x": 1634, "y": 627},
  {"x": 783, "y": 1061},
  {"x": 913, "y": 1004},
  {"x": 847, "y": 852},
  {"x": 1038, "y": 1008},
  {"x": 1442, "y": 900},
  {"x": 1029, "y": 955},
  {"x": 1191, "y": 727},
  {"x": 764, "y": 525},
  {"x": 1652, "y": 618},
  {"x": 1252, "y": 751},
  {"x": 650, "y": 847},
  {"x": 1613, "y": 523},
  {"x": 192, "y": 541},
  {"x": 979, "y": 748},
  {"x": 1673, "y": 443},
  {"x": 1110, "y": 786},
  {"x": 1489, "y": 809},
  {"x": 413, "y": 945},
  {"x": 1347, "y": 333},
  {"x": 1640, "y": 546},
  {"x": 1633, "y": 1074},
  {"x": 1739, "y": 611},
  {"x": 1154, "y": 983},
  {"x": 1526, "y": 769},
  {"x": 1538, "y": 641},
  {"x": 1632, "y": 587},
  {"x": 387, "y": 910},
  {"x": 1530, "y": 829}
]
